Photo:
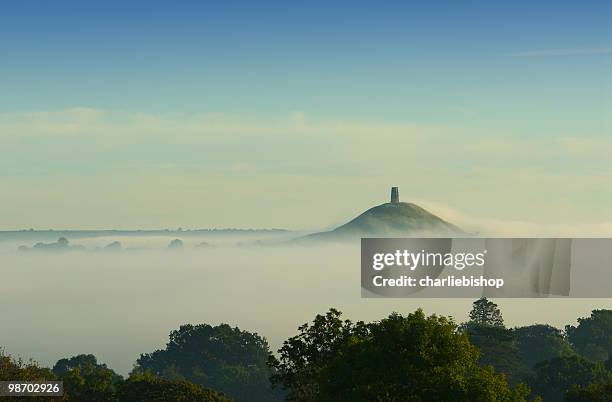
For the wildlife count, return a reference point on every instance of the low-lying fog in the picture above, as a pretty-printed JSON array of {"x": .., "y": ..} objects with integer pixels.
[{"x": 117, "y": 305}]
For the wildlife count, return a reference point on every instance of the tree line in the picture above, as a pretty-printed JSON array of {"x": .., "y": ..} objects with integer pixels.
[{"x": 410, "y": 357}]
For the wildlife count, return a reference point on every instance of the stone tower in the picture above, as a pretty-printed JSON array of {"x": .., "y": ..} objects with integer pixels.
[{"x": 394, "y": 194}]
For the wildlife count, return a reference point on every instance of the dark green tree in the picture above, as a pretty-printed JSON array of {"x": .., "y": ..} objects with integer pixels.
[
  {"x": 303, "y": 357},
  {"x": 220, "y": 358},
  {"x": 87, "y": 380},
  {"x": 147, "y": 388},
  {"x": 81, "y": 362},
  {"x": 62, "y": 366},
  {"x": 485, "y": 312},
  {"x": 553, "y": 378},
  {"x": 12, "y": 369},
  {"x": 598, "y": 392},
  {"x": 411, "y": 358},
  {"x": 537, "y": 343},
  {"x": 592, "y": 338},
  {"x": 498, "y": 347},
  {"x": 18, "y": 369}
]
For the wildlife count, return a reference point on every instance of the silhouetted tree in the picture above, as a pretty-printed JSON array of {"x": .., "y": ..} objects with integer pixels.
[
  {"x": 114, "y": 246},
  {"x": 176, "y": 244}
]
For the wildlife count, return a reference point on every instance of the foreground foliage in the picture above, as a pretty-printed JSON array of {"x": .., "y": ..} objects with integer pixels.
[
  {"x": 87, "y": 380},
  {"x": 592, "y": 337},
  {"x": 147, "y": 388},
  {"x": 400, "y": 358},
  {"x": 221, "y": 358}
]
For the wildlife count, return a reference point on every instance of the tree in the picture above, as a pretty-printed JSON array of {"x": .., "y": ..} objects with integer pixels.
[
  {"x": 485, "y": 312},
  {"x": 176, "y": 244},
  {"x": 304, "y": 356},
  {"x": 555, "y": 377},
  {"x": 17, "y": 369},
  {"x": 592, "y": 337},
  {"x": 87, "y": 380},
  {"x": 221, "y": 358},
  {"x": 537, "y": 343},
  {"x": 12, "y": 369},
  {"x": 598, "y": 392},
  {"x": 499, "y": 348},
  {"x": 498, "y": 345},
  {"x": 147, "y": 388},
  {"x": 81, "y": 362},
  {"x": 409, "y": 358}
]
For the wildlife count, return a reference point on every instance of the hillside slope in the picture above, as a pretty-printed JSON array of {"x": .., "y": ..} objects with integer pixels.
[{"x": 392, "y": 219}]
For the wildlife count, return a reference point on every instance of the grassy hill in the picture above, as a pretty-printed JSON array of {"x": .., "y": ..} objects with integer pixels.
[{"x": 398, "y": 219}]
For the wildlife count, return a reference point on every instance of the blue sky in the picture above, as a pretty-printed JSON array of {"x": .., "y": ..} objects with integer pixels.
[
  {"x": 389, "y": 60},
  {"x": 532, "y": 82}
]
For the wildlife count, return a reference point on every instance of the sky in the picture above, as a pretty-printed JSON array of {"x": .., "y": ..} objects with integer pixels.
[{"x": 281, "y": 114}]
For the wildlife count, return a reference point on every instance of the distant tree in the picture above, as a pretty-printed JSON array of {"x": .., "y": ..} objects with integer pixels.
[
  {"x": 176, "y": 244},
  {"x": 114, "y": 246},
  {"x": 485, "y": 312},
  {"x": 592, "y": 337},
  {"x": 409, "y": 358},
  {"x": 598, "y": 392},
  {"x": 62, "y": 244},
  {"x": 537, "y": 343},
  {"x": 220, "y": 358},
  {"x": 147, "y": 388},
  {"x": 553, "y": 378},
  {"x": 87, "y": 380}
]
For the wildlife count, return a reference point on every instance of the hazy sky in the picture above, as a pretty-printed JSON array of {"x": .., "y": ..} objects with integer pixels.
[{"x": 283, "y": 114}]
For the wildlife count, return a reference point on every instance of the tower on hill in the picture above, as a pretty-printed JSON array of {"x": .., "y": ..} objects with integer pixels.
[{"x": 394, "y": 194}]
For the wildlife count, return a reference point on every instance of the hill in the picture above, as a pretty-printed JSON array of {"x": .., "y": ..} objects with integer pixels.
[{"x": 392, "y": 219}]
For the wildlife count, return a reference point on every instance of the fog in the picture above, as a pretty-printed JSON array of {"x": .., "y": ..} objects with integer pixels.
[{"x": 120, "y": 304}]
